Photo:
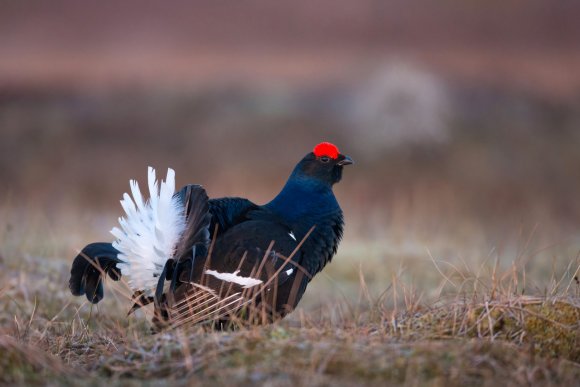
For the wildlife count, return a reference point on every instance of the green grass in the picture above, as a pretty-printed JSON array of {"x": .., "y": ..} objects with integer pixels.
[{"x": 411, "y": 308}]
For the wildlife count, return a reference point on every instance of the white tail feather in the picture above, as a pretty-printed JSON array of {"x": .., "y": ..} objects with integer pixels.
[
  {"x": 247, "y": 282},
  {"x": 149, "y": 231}
]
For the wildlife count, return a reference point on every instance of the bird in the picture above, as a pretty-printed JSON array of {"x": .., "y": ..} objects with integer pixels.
[{"x": 222, "y": 260}]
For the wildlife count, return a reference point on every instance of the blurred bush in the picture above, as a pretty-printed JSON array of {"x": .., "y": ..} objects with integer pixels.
[{"x": 467, "y": 107}]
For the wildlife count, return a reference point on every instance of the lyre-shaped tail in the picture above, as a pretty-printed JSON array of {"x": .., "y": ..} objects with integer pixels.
[{"x": 149, "y": 232}]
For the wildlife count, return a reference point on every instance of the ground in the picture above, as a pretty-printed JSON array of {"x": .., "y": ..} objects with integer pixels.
[{"x": 425, "y": 322}]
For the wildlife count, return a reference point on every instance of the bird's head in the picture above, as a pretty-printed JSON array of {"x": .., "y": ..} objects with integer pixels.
[{"x": 324, "y": 164}]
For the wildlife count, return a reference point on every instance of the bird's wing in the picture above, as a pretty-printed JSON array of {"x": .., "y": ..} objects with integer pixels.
[
  {"x": 253, "y": 264},
  {"x": 254, "y": 244},
  {"x": 229, "y": 212}
]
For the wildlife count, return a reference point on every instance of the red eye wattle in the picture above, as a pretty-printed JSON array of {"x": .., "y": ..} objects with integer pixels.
[{"x": 326, "y": 149}]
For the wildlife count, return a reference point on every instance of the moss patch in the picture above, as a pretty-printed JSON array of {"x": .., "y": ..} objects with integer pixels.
[{"x": 549, "y": 327}]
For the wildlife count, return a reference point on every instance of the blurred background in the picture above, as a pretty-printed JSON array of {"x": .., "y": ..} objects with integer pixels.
[{"x": 463, "y": 118}]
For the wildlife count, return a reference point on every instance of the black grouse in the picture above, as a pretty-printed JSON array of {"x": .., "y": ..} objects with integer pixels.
[{"x": 220, "y": 260}]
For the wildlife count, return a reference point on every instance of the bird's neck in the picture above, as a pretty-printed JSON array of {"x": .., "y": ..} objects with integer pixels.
[{"x": 304, "y": 198}]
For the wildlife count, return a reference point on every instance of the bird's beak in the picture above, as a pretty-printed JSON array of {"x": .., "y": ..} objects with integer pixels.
[{"x": 346, "y": 161}]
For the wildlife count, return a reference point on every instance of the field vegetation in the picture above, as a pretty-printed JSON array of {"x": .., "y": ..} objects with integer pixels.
[
  {"x": 399, "y": 311},
  {"x": 461, "y": 258}
]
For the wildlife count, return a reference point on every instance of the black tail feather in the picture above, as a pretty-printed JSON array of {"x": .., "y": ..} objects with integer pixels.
[
  {"x": 191, "y": 252},
  {"x": 194, "y": 243},
  {"x": 94, "y": 286},
  {"x": 88, "y": 267},
  {"x": 196, "y": 203}
]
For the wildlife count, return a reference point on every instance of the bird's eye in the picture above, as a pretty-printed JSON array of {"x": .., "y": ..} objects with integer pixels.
[{"x": 325, "y": 159}]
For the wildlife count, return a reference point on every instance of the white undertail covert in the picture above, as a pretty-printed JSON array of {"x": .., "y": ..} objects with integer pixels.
[{"x": 149, "y": 231}]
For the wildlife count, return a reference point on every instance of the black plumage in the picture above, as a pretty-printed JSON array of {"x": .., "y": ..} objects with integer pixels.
[
  {"x": 283, "y": 243},
  {"x": 87, "y": 268}
]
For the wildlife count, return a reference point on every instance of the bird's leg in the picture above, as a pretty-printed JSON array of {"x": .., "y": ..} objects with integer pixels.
[
  {"x": 193, "y": 251},
  {"x": 179, "y": 268},
  {"x": 161, "y": 282},
  {"x": 175, "y": 276}
]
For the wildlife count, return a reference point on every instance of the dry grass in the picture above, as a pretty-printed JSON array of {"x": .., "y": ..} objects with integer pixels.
[{"x": 373, "y": 317}]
